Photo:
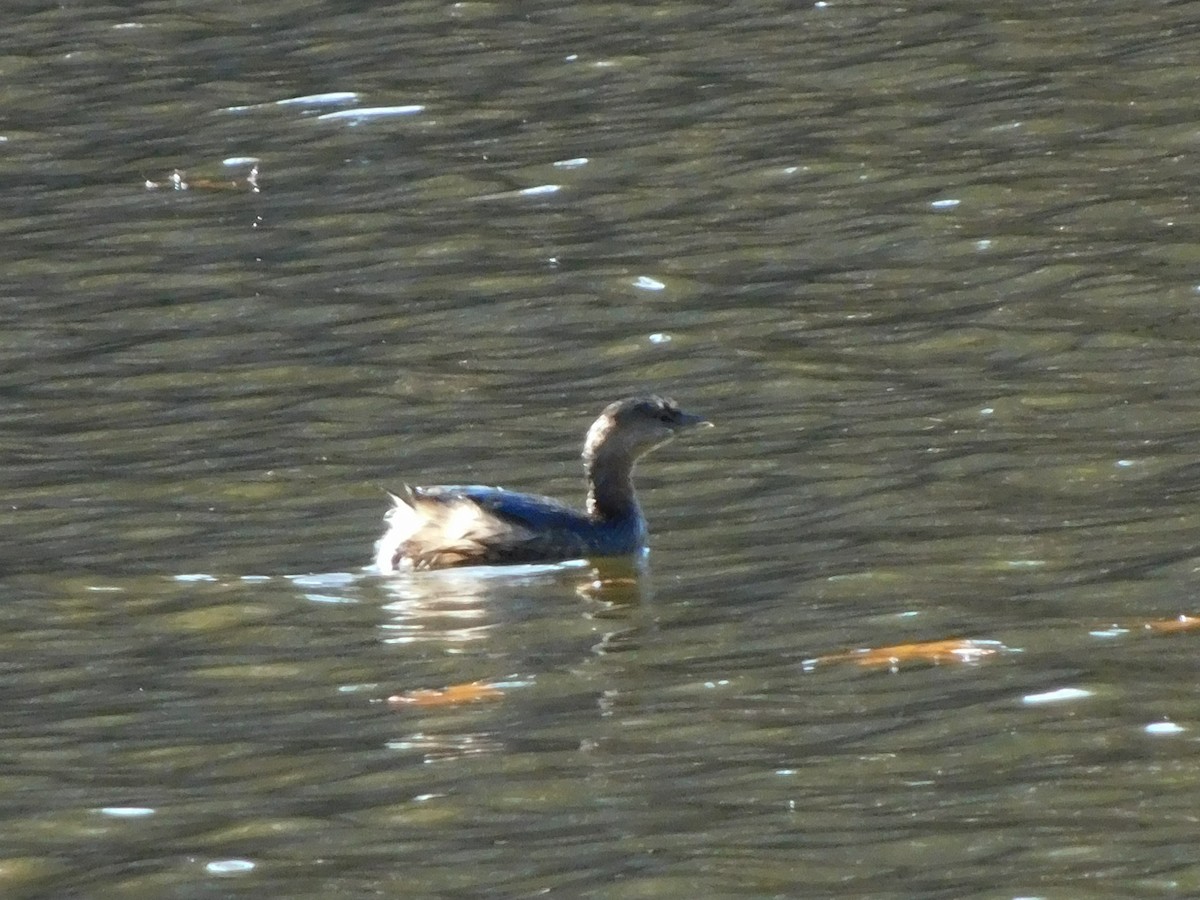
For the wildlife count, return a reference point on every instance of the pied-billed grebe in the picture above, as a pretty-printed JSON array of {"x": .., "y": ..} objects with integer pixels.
[{"x": 471, "y": 525}]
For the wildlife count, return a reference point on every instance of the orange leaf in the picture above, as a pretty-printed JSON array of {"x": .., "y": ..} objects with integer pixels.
[
  {"x": 952, "y": 650},
  {"x": 453, "y": 695},
  {"x": 1171, "y": 626}
]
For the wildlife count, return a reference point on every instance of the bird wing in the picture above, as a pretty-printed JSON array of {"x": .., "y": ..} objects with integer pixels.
[{"x": 478, "y": 525}]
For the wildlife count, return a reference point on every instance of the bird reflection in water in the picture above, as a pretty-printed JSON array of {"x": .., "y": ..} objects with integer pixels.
[
  {"x": 460, "y": 608},
  {"x": 457, "y": 606}
]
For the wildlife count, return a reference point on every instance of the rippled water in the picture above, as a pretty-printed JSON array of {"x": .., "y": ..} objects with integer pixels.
[{"x": 933, "y": 271}]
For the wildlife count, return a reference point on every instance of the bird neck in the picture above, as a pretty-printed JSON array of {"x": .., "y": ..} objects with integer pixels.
[{"x": 610, "y": 483}]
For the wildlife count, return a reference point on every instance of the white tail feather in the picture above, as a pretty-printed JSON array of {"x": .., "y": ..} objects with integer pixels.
[{"x": 403, "y": 522}]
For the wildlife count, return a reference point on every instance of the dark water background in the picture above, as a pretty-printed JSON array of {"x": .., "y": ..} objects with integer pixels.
[{"x": 932, "y": 268}]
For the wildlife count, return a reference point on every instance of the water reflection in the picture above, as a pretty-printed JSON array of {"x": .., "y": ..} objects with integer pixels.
[
  {"x": 465, "y": 605},
  {"x": 442, "y": 747},
  {"x": 519, "y": 638}
]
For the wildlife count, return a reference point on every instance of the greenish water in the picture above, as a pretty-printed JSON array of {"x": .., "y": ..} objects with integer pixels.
[{"x": 933, "y": 271}]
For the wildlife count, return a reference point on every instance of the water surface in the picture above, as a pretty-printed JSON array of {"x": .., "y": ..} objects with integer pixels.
[{"x": 932, "y": 270}]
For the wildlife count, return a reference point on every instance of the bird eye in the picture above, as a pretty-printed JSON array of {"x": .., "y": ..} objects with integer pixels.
[{"x": 666, "y": 417}]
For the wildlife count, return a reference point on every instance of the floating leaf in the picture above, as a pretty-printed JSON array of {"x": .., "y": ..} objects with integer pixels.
[
  {"x": 178, "y": 181},
  {"x": 1172, "y": 626},
  {"x": 951, "y": 650},
  {"x": 454, "y": 695}
]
